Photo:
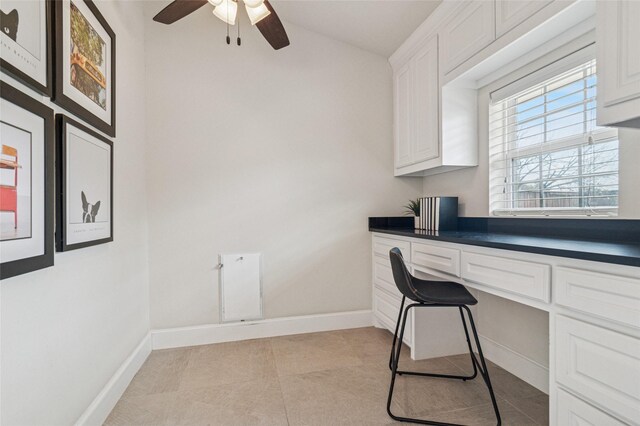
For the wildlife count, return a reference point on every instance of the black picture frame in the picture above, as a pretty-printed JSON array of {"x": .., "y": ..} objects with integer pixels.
[
  {"x": 22, "y": 266},
  {"x": 62, "y": 122},
  {"x": 59, "y": 96},
  {"x": 15, "y": 72}
]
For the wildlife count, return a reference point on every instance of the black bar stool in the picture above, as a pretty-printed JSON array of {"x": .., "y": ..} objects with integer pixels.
[{"x": 432, "y": 294}]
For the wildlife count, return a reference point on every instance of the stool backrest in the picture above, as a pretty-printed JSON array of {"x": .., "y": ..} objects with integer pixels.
[{"x": 401, "y": 274}]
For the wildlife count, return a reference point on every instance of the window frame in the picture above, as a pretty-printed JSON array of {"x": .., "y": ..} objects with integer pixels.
[{"x": 507, "y": 157}]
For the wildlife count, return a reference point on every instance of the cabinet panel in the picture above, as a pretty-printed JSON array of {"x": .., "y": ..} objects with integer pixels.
[
  {"x": 618, "y": 61},
  {"x": 471, "y": 30},
  {"x": 381, "y": 247},
  {"x": 574, "y": 411},
  {"x": 609, "y": 296},
  {"x": 526, "y": 279},
  {"x": 383, "y": 277},
  {"x": 386, "y": 309},
  {"x": 510, "y": 13},
  {"x": 404, "y": 108},
  {"x": 439, "y": 258},
  {"x": 426, "y": 102},
  {"x": 600, "y": 364}
]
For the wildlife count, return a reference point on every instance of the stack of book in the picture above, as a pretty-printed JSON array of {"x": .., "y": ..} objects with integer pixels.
[{"x": 438, "y": 213}]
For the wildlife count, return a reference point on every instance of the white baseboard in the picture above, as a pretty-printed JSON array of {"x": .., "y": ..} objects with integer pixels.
[
  {"x": 517, "y": 364},
  {"x": 218, "y": 333},
  {"x": 99, "y": 409}
]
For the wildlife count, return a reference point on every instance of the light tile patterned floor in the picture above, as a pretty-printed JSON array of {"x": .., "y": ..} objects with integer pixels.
[{"x": 332, "y": 378}]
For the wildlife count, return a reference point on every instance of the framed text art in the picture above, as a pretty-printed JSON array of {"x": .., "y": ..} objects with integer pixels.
[
  {"x": 26, "y": 183},
  {"x": 85, "y": 80},
  {"x": 26, "y": 42},
  {"x": 84, "y": 186}
]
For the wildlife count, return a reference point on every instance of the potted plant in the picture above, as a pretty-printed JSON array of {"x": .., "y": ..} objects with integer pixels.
[{"x": 413, "y": 208}]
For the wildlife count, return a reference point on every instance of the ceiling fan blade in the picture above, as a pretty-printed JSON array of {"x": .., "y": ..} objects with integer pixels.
[
  {"x": 272, "y": 29},
  {"x": 178, "y": 9}
]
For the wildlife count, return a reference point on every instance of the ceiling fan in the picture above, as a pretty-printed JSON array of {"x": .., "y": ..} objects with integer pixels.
[{"x": 261, "y": 14}]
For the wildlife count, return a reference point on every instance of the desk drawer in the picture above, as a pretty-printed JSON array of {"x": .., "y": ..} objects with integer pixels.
[
  {"x": 526, "y": 279},
  {"x": 600, "y": 364},
  {"x": 574, "y": 411},
  {"x": 609, "y": 296},
  {"x": 382, "y": 245},
  {"x": 386, "y": 309},
  {"x": 383, "y": 277},
  {"x": 441, "y": 259}
]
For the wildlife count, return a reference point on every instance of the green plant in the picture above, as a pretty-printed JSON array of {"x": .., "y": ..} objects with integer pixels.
[{"x": 413, "y": 207}]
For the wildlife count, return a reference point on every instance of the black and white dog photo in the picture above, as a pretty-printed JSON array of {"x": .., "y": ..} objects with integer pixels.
[{"x": 89, "y": 211}]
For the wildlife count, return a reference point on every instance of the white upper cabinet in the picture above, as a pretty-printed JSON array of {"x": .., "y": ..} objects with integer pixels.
[
  {"x": 618, "y": 40},
  {"x": 468, "y": 32},
  {"x": 426, "y": 102},
  {"x": 416, "y": 107},
  {"x": 510, "y": 13}
]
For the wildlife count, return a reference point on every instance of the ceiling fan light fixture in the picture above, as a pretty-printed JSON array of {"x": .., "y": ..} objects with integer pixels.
[
  {"x": 227, "y": 11},
  {"x": 253, "y": 3},
  {"x": 258, "y": 13},
  {"x": 215, "y": 3}
]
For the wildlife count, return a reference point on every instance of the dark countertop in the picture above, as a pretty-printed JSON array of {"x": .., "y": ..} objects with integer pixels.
[{"x": 616, "y": 252}]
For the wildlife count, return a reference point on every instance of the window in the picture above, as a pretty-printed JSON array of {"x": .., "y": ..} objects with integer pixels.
[{"x": 546, "y": 154}]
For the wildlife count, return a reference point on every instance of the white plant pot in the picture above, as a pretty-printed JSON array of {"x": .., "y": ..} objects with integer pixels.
[{"x": 416, "y": 222}]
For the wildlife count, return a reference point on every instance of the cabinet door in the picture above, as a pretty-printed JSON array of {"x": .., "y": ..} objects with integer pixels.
[
  {"x": 600, "y": 364},
  {"x": 618, "y": 33},
  {"x": 426, "y": 92},
  {"x": 574, "y": 411},
  {"x": 403, "y": 93},
  {"x": 510, "y": 13},
  {"x": 470, "y": 30}
]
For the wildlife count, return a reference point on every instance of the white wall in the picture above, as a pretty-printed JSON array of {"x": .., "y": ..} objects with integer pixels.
[
  {"x": 65, "y": 330},
  {"x": 284, "y": 153}
]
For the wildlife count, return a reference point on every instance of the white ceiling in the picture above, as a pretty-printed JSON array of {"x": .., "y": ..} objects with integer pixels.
[{"x": 379, "y": 26}]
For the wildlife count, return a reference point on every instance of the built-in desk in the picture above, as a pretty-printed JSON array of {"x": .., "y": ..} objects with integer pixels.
[{"x": 589, "y": 288}]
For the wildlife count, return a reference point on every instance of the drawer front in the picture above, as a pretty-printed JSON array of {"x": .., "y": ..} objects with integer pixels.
[
  {"x": 600, "y": 364},
  {"x": 609, "y": 296},
  {"x": 386, "y": 310},
  {"x": 526, "y": 279},
  {"x": 441, "y": 259},
  {"x": 574, "y": 411},
  {"x": 381, "y": 247},
  {"x": 383, "y": 277}
]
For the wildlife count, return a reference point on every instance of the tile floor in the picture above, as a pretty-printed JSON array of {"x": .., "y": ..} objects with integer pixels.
[{"x": 332, "y": 378}]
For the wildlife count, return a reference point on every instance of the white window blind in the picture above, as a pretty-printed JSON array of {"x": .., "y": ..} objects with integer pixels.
[{"x": 546, "y": 154}]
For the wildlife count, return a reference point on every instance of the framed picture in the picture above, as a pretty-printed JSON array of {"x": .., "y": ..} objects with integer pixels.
[
  {"x": 85, "y": 81},
  {"x": 27, "y": 155},
  {"x": 84, "y": 186},
  {"x": 26, "y": 43}
]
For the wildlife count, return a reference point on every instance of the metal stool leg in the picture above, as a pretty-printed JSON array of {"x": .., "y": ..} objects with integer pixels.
[
  {"x": 484, "y": 372},
  {"x": 395, "y": 334},
  {"x": 466, "y": 333},
  {"x": 417, "y": 373},
  {"x": 480, "y": 366}
]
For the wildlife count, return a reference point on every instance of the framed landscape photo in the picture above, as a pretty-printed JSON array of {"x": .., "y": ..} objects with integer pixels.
[
  {"x": 85, "y": 81},
  {"x": 27, "y": 155},
  {"x": 26, "y": 43},
  {"x": 84, "y": 185}
]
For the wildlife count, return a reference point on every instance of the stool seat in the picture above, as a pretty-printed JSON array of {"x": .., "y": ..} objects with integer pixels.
[{"x": 441, "y": 292}]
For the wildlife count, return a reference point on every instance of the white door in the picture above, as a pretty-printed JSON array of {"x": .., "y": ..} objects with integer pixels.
[{"x": 426, "y": 92}]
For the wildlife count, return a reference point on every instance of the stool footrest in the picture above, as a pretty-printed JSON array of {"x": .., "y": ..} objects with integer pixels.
[{"x": 440, "y": 376}]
